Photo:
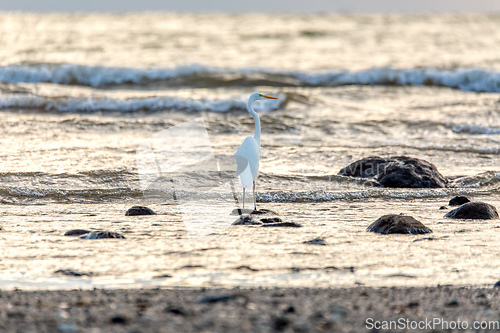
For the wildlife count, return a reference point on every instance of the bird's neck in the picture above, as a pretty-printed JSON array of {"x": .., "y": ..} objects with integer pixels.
[{"x": 257, "y": 122}]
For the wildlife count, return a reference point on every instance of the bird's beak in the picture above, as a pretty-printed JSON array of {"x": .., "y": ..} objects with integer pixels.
[{"x": 267, "y": 96}]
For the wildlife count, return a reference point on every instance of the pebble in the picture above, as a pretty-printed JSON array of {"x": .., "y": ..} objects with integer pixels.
[{"x": 210, "y": 299}]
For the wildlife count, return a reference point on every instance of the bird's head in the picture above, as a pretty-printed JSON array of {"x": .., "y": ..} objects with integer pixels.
[{"x": 257, "y": 96}]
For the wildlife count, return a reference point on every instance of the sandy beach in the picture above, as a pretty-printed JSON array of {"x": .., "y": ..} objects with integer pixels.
[{"x": 357, "y": 309}]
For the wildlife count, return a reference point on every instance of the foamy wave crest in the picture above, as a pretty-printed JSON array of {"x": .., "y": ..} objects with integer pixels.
[
  {"x": 485, "y": 179},
  {"x": 323, "y": 196},
  {"x": 94, "y": 76},
  {"x": 468, "y": 79},
  {"x": 161, "y": 103},
  {"x": 474, "y": 129}
]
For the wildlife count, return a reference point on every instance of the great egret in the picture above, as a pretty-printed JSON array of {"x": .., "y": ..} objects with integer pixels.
[{"x": 248, "y": 154}]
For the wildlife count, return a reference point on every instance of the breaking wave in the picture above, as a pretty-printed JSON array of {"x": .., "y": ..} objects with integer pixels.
[
  {"x": 467, "y": 79},
  {"x": 122, "y": 186},
  {"x": 160, "y": 103}
]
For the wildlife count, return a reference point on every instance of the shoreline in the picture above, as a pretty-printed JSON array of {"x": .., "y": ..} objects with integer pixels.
[{"x": 352, "y": 309}]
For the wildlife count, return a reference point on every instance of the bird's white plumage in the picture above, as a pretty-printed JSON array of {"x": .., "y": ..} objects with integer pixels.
[
  {"x": 247, "y": 159},
  {"x": 248, "y": 154}
]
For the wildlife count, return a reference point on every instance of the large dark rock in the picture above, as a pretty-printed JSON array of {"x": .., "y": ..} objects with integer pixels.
[
  {"x": 139, "y": 210},
  {"x": 474, "y": 210},
  {"x": 367, "y": 167},
  {"x": 397, "y": 171},
  {"x": 458, "y": 201},
  {"x": 398, "y": 224}
]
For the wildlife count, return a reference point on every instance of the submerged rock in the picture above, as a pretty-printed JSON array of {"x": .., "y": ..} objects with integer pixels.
[
  {"x": 139, "y": 210},
  {"x": 246, "y": 211},
  {"x": 315, "y": 241},
  {"x": 474, "y": 210},
  {"x": 397, "y": 171},
  {"x": 271, "y": 220},
  {"x": 102, "y": 235},
  {"x": 458, "y": 201},
  {"x": 246, "y": 220},
  {"x": 282, "y": 224},
  {"x": 398, "y": 224},
  {"x": 76, "y": 232},
  {"x": 69, "y": 272}
]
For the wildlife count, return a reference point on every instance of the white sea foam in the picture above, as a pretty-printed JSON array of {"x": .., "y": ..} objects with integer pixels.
[
  {"x": 474, "y": 129},
  {"x": 468, "y": 79},
  {"x": 94, "y": 104}
]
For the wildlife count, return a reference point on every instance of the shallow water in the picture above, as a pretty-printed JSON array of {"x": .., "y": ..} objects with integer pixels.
[{"x": 80, "y": 94}]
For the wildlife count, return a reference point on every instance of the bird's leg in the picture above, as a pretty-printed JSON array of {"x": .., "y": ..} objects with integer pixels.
[
  {"x": 254, "y": 198},
  {"x": 243, "y": 198}
]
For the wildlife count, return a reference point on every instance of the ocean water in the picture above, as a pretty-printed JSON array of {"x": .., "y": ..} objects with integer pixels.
[{"x": 82, "y": 95}]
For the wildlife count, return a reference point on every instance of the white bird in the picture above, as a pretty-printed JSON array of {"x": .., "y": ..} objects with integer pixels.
[{"x": 248, "y": 154}]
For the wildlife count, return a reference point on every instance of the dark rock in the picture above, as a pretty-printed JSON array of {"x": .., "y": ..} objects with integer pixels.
[
  {"x": 139, "y": 210},
  {"x": 474, "y": 210},
  {"x": 76, "y": 232},
  {"x": 210, "y": 299},
  {"x": 248, "y": 268},
  {"x": 69, "y": 272},
  {"x": 283, "y": 224},
  {"x": 365, "y": 168},
  {"x": 271, "y": 220},
  {"x": 497, "y": 285},
  {"x": 280, "y": 323},
  {"x": 15, "y": 315},
  {"x": 175, "y": 311},
  {"x": 239, "y": 211},
  {"x": 315, "y": 241},
  {"x": 119, "y": 320},
  {"x": 397, "y": 224},
  {"x": 290, "y": 309},
  {"x": 458, "y": 201},
  {"x": 397, "y": 171},
  {"x": 246, "y": 220},
  {"x": 443, "y": 207},
  {"x": 102, "y": 235},
  {"x": 163, "y": 276},
  {"x": 452, "y": 304}
]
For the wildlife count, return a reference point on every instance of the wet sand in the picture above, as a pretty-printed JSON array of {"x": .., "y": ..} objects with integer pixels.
[{"x": 356, "y": 309}]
